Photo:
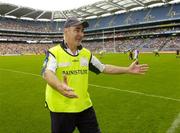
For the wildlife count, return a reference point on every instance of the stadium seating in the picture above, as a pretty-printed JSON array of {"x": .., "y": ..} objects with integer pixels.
[{"x": 108, "y": 33}]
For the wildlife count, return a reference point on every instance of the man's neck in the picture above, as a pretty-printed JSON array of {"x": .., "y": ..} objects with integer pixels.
[{"x": 72, "y": 47}]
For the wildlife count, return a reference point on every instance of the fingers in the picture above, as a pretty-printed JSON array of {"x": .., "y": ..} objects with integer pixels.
[
  {"x": 143, "y": 69},
  {"x": 65, "y": 79},
  {"x": 144, "y": 65},
  {"x": 142, "y": 72},
  {"x": 140, "y": 69},
  {"x": 66, "y": 90},
  {"x": 135, "y": 62},
  {"x": 69, "y": 92}
]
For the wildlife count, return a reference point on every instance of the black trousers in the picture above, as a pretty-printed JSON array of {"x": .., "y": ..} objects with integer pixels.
[{"x": 85, "y": 121}]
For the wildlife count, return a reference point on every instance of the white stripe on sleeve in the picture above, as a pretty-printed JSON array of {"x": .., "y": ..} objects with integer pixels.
[
  {"x": 95, "y": 62},
  {"x": 52, "y": 63}
]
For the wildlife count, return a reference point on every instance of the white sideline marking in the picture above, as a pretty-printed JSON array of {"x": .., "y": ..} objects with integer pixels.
[
  {"x": 136, "y": 92},
  {"x": 110, "y": 88},
  {"x": 174, "y": 125},
  {"x": 10, "y": 70}
]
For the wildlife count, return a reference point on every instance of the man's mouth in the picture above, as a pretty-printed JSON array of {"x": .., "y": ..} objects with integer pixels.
[{"x": 78, "y": 40}]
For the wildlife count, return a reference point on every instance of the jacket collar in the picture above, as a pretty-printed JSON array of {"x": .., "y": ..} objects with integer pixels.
[{"x": 64, "y": 45}]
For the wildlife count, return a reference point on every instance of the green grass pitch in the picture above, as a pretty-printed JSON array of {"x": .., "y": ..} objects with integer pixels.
[{"x": 124, "y": 103}]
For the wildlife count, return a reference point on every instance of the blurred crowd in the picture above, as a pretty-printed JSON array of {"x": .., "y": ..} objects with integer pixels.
[
  {"x": 144, "y": 44},
  {"x": 23, "y": 25},
  {"x": 110, "y": 41},
  {"x": 20, "y": 48},
  {"x": 120, "y": 45}
]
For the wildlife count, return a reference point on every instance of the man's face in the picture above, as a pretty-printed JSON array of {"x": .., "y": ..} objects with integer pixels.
[{"x": 74, "y": 35}]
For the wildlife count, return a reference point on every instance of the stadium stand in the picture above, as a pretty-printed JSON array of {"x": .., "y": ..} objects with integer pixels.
[{"x": 146, "y": 29}]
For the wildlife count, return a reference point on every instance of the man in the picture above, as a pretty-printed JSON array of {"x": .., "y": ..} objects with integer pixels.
[
  {"x": 131, "y": 54},
  {"x": 156, "y": 52},
  {"x": 177, "y": 53},
  {"x": 136, "y": 54},
  {"x": 66, "y": 71},
  {"x": 101, "y": 53}
]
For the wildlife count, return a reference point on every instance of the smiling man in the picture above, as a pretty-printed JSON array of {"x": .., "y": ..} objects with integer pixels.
[{"x": 66, "y": 70}]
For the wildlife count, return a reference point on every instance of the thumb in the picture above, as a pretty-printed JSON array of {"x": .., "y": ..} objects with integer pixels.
[
  {"x": 65, "y": 79},
  {"x": 136, "y": 62}
]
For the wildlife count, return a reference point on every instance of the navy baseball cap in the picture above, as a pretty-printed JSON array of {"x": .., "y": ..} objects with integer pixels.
[{"x": 73, "y": 21}]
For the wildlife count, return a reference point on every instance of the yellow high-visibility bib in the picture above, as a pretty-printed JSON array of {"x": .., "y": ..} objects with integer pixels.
[{"x": 76, "y": 69}]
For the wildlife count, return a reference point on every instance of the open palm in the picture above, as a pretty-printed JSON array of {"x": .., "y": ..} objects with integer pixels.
[{"x": 136, "y": 68}]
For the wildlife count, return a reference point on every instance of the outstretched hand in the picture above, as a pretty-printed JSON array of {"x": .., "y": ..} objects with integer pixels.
[
  {"x": 136, "y": 68},
  {"x": 66, "y": 90}
]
